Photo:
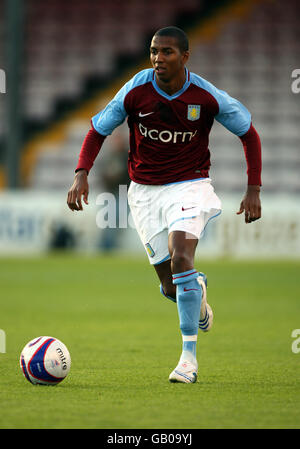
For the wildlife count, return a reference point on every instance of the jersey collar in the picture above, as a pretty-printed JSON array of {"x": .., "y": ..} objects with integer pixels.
[{"x": 178, "y": 93}]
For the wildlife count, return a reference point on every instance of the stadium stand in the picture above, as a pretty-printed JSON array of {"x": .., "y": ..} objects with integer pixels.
[
  {"x": 68, "y": 42},
  {"x": 251, "y": 58}
]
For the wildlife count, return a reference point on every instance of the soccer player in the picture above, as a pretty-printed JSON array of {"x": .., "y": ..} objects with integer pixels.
[{"x": 170, "y": 112}]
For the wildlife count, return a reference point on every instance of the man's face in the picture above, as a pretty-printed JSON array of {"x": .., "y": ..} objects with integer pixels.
[{"x": 166, "y": 58}]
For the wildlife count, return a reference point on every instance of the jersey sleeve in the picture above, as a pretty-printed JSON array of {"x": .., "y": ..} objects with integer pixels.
[
  {"x": 252, "y": 148},
  {"x": 115, "y": 112},
  {"x": 112, "y": 115},
  {"x": 232, "y": 113}
]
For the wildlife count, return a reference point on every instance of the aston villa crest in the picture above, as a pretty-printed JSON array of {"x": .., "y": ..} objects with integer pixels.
[{"x": 193, "y": 112}]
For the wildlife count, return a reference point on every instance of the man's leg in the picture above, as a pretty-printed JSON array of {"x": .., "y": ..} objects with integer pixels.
[
  {"x": 182, "y": 247},
  {"x": 167, "y": 288}
]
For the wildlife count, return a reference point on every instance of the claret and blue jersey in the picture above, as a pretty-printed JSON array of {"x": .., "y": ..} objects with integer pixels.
[{"x": 169, "y": 134}]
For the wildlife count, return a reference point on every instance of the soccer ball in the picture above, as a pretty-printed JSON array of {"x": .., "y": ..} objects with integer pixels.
[{"x": 45, "y": 361}]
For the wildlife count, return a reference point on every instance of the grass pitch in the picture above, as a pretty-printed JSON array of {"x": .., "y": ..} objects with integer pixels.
[{"x": 124, "y": 341}]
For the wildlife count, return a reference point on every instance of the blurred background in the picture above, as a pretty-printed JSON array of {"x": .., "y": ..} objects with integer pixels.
[{"x": 61, "y": 62}]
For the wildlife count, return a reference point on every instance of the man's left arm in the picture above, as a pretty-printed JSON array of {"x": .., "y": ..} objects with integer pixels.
[
  {"x": 251, "y": 201},
  {"x": 236, "y": 118}
]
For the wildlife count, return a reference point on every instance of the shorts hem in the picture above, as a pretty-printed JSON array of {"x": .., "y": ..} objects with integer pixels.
[{"x": 163, "y": 260}]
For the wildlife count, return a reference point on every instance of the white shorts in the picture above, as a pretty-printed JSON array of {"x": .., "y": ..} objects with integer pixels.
[{"x": 159, "y": 210}]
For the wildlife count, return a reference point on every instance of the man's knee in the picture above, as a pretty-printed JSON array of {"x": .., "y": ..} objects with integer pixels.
[
  {"x": 182, "y": 250},
  {"x": 181, "y": 261}
]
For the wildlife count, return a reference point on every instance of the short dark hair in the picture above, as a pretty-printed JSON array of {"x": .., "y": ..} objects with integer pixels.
[{"x": 171, "y": 31}]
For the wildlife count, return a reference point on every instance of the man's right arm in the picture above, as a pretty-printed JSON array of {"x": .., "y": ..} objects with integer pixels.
[
  {"x": 88, "y": 153},
  {"x": 103, "y": 125}
]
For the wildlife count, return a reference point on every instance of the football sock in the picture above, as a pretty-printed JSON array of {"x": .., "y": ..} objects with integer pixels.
[
  {"x": 189, "y": 345},
  {"x": 188, "y": 296}
]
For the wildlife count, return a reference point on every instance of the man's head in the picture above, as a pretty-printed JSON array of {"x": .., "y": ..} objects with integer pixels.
[
  {"x": 176, "y": 33},
  {"x": 169, "y": 52}
]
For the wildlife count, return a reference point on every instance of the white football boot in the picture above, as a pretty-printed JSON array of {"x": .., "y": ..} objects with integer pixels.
[
  {"x": 185, "y": 372},
  {"x": 206, "y": 313}
]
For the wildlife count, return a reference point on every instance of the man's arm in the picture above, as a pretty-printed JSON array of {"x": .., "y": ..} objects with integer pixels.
[
  {"x": 236, "y": 118},
  {"x": 89, "y": 151},
  {"x": 103, "y": 125},
  {"x": 251, "y": 201},
  {"x": 251, "y": 204},
  {"x": 79, "y": 188}
]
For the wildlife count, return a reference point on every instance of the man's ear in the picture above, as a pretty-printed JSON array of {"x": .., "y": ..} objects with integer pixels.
[{"x": 185, "y": 56}]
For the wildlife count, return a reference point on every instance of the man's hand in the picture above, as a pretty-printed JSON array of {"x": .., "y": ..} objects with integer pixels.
[
  {"x": 79, "y": 188},
  {"x": 251, "y": 204}
]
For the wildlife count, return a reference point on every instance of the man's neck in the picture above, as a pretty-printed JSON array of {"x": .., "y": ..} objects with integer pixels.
[{"x": 173, "y": 86}]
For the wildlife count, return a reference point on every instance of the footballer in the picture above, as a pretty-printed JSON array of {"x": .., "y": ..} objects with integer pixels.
[{"x": 170, "y": 112}]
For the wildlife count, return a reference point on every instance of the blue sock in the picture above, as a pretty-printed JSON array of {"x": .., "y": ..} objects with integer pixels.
[{"x": 188, "y": 296}]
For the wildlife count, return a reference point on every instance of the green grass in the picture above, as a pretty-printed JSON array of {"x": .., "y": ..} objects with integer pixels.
[{"x": 124, "y": 340}]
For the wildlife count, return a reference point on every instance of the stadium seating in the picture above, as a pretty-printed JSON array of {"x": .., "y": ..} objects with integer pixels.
[
  {"x": 251, "y": 58},
  {"x": 67, "y": 42}
]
